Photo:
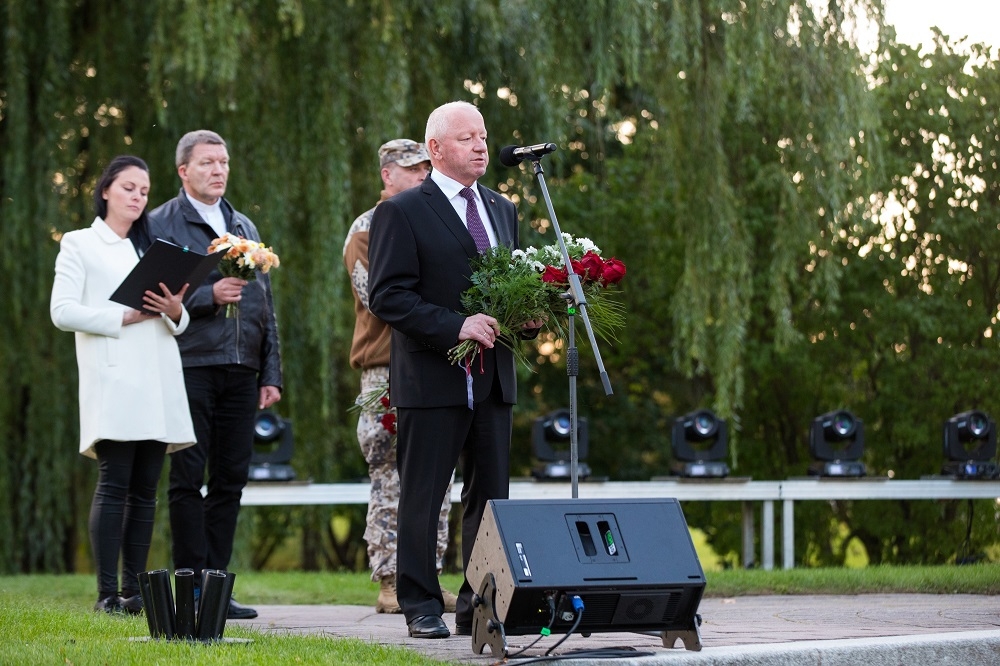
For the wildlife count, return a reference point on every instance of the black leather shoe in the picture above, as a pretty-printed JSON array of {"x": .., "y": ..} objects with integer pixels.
[
  {"x": 238, "y": 611},
  {"x": 132, "y": 605},
  {"x": 428, "y": 626},
  {"x": 111, "y": 605},
  {"x": 463, "y": 629}
]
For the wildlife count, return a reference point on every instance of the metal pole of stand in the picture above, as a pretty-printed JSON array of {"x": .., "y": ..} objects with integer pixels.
[
  {"x": 572, "y": 371},
  {"x": 576, "y": 304}
]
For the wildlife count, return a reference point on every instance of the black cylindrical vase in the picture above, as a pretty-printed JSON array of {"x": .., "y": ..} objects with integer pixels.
[
  {"x": 163, "y": 602},
  {"x": 227, "y": 594},
  {"x": 147, "y": 603},
  {"x": 212, "y": 591},
  {"x": 184, "y": 626}
]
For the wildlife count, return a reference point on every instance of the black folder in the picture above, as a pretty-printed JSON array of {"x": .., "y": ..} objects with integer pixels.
[{"x": 168, "y": 263}]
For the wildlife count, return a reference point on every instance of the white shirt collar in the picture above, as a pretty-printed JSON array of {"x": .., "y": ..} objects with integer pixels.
[
  {"x": 211, "y": 213},
  {"x": 204, "y": 209},
  {"x": 450, "y": 186}
]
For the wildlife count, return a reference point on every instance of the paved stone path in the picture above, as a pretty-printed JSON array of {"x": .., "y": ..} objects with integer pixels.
[{"x": 776, "y": 629}]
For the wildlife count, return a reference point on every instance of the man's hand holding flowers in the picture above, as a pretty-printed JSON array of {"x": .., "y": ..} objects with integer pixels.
[
  {"x": 228, "y": 290},
  {"x": 480, "y": 328},
  {"x": 484, "y": 329}
]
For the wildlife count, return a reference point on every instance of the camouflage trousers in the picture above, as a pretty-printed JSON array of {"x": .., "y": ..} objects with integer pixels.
[{"x": 378, "y": 446}]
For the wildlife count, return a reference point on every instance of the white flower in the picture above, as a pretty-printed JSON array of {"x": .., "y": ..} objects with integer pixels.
[
  {"x": 527, "y": 257},
  {"x": 588, "y": 245}
]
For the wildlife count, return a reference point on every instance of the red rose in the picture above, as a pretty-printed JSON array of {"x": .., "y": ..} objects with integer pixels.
[
  {"x": 389, "y": 423},
  {"x": 385, "y": 401},
  {"x": 614, "y": 271},
  {"x": 592, "y": 265},
  {"x": 554, "y": 275}
]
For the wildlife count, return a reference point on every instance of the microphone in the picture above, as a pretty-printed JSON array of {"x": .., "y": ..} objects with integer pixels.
[{"x": 514, "y": 155}]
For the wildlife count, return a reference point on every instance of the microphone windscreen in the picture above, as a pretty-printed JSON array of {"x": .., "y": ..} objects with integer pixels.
[{"x": 508, "y": 158}]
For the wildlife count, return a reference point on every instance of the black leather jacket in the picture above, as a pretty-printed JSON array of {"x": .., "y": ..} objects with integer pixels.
[{"x": 251, "y": 339}]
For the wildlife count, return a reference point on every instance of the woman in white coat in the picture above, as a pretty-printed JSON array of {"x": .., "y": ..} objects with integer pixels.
[{"x": 133, "y": 405}]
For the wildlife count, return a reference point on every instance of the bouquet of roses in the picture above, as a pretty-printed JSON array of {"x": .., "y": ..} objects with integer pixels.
[
  {"x": 515, "y": 287},
  {"x": 606, "y": 313},
  {"x": 243, "y": 259}
]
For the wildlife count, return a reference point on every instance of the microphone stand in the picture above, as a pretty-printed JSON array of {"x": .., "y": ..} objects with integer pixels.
[{"x": 576, "y": 302}]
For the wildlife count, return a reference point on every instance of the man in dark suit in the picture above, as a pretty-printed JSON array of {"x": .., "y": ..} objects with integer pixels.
[{"x": 420, "y": 245}]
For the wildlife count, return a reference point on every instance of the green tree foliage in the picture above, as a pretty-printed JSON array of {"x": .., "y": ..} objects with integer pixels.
[
  {"x": 908, "y": 338},
  {"x": 735, "y": 155}
]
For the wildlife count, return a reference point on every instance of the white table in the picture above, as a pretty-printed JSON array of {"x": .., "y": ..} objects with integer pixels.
[
  {"x": 871, "y": 488},
  {"x": 685, "y": 490}
]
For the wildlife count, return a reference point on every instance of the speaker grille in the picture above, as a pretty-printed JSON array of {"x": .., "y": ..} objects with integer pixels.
[
  {"x": 598, "y": 608},
  {"x": 631, "y": 608}
]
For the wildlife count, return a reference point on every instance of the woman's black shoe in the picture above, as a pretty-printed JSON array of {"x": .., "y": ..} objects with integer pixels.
[
  {"x": 112, "y": 604},
  {"x": 131, "y": 605}
]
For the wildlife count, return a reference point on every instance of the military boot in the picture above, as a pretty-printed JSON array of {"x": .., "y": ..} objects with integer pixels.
[
  {"x": 387, "y": 602},
  {"x": 449, "y": 600}
]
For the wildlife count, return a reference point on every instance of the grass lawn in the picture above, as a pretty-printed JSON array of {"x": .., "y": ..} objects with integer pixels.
[{"x": 47, "y": 618}]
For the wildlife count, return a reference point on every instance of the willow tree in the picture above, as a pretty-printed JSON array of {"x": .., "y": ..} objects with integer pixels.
[
  {"x": 306, "y": 90},
  {"x": 732, "y": 163}
]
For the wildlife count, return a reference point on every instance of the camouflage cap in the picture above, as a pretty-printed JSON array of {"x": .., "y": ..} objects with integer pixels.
[{"x": 403, "y": 152}]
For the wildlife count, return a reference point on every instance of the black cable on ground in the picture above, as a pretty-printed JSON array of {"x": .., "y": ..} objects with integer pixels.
[{"x": 590, "y": 653}]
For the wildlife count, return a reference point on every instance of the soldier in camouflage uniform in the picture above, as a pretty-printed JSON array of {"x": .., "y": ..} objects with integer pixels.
[{"x": 404, "y": 164}]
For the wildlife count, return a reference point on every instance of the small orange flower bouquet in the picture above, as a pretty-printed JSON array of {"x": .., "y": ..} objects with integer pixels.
[{"x": 243, "y": 259}]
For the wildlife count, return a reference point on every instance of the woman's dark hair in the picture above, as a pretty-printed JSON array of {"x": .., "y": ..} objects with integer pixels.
[{"x": 139, "y": 233}]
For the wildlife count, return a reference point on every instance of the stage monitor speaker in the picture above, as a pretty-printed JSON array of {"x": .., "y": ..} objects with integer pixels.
[{"x": 631, "y": 562}]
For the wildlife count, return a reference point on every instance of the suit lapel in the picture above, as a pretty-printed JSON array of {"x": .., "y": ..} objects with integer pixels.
[
  {"x": 439, "y": 203},
  {"x": 502, "y": 230}
]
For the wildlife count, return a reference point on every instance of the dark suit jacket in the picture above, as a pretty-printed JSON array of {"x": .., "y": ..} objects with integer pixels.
[{"x": 418, "y": 255}]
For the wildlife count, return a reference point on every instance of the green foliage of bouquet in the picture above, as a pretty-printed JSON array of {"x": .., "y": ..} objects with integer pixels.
[
  {"x": 517, "y": 286},
  {"x": 510, "y": 290}
]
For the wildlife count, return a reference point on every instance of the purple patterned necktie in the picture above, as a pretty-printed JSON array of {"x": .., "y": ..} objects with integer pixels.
[{"x": 474, "y": 222}]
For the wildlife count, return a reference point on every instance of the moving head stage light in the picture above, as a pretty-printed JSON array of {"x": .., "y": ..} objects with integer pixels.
[
  {"x": 700, "y": 441},
  {"x": 272, "y": 448},
  {"x": 550, "y": 440},
  {"x": 836, "y": 441},
  {"x": 970, "y": 445}
]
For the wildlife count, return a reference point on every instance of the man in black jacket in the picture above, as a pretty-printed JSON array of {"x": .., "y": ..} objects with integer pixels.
[
  {"x": 420, "y": 246},
  {"x": 232, "y": 365}
]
